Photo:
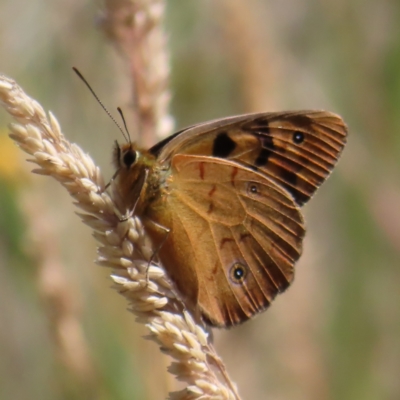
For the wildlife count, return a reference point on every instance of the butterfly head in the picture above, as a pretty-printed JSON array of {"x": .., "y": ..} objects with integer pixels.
[{"x": 132, "y": 166}]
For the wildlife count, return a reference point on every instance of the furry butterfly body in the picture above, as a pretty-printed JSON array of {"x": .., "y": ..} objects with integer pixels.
[{"x": 222, "y": 202}]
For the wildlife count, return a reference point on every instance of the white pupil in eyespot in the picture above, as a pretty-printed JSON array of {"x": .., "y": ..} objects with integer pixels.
[{"x": 238, "y": 272}]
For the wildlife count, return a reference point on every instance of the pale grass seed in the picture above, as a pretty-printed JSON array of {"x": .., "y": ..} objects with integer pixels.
[{"x": 123, "y": 246}]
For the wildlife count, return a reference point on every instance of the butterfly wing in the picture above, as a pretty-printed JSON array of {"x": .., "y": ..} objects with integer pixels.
[
  {"x": 234, "y": 236},
  {"x": 297, "y": 149}
]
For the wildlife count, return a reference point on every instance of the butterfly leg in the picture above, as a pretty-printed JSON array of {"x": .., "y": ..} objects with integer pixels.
[{"x": 112, "y": 179}]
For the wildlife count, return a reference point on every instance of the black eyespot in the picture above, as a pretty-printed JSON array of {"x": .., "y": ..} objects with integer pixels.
[
  {"x": 129, "y": 158},
  {"x": 298, "y": 137},
  {"x": 238, "y": 272},
  {"x": 253, "y": 188}
]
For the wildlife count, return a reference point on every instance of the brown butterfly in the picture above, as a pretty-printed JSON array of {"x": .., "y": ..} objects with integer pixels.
[{"x": 222, "y": 200}]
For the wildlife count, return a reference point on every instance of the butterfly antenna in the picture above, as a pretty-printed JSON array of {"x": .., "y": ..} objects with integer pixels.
[
  {"x": 123, "y": 120},
  {"x": 101, "y": 104}
]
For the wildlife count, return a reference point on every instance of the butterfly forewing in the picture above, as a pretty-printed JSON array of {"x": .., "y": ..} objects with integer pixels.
[
  {"x": 296, "y": 149},
  {"x": 234, "y": 230}
]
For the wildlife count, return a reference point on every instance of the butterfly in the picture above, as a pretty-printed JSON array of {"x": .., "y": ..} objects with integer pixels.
[{"x": 222, "y": 201}]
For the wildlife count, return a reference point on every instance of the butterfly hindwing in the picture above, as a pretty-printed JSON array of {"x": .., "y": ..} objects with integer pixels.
[{"x": 236, "y": 236}]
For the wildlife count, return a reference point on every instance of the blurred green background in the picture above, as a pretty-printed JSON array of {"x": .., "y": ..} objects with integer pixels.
[{"x": 335, "y": 334}]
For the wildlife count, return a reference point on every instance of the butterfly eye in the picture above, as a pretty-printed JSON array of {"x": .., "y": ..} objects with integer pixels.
[
  {"x": 129, "y": 158},
  {"x": 238, "y": 272},
  {"x": 298, "y": 137}
]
